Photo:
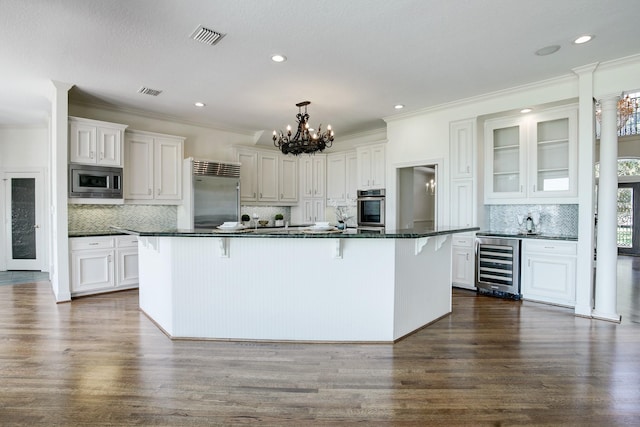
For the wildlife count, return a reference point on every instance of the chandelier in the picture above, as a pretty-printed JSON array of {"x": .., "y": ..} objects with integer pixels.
[
  {"x": 626, "y": 108},
  {"x": 303, "y": 142}
]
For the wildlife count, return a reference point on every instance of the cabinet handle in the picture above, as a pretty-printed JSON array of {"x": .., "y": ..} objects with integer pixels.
[
  {"x": 534, "y": 188},
  {"x": 101, "y": 155},
  {"x": 467, "y": 257},
  {"x": 261, "y": 195},
  {"x": 158, "y": 191},
  {"x": 91, "y": 154},
  {"x": 468, "y": 168},
  {"x": 149, "y": 192},
  {"x": 521, "y": 188},
  {"x": 528, "y": 263},
  {"x": 254, "y": 195},
  {"x": 109, "y": 258},
  {"x": 281, "y": 196},
  {"x": 93, "y": 244},
  {"x": 549, "y": 247}
]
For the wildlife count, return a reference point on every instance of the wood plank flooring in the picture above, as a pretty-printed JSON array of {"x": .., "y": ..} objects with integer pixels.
[{"x": 99, "y": 361}]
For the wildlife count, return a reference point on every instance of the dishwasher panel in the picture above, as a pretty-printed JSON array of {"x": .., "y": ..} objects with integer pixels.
[{"x": 498, "y": 265}]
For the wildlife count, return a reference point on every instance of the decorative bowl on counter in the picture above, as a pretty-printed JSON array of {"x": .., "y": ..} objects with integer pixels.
[{"x": 263, "y": 222}]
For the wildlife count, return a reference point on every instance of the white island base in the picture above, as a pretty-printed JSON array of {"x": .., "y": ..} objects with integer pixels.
[{"x": 299, "y": 289}]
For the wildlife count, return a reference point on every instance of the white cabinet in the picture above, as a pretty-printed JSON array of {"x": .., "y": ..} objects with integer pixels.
[
  {"x": 248, "y": 175},
  {"x": 371, "y": 167},
  {"x": 532, "y": 158},
  {"x": 103, "y": 264},
  {"x": 266, "y": 176},
  {"x": 153, "y": 168},
  {"x": 462, "y": 262},
  {"x": 94, "y": 142},
  {"x": 549, "y": 271},
  {"x": 313, "y": 172},
  {"x": 313, "y": 210},
  {"x": 342, "y": 177},
  {"x": 462, "y": 149},
  {"x": 288, "y": 179},
  {"x": 462, "y": 203}
]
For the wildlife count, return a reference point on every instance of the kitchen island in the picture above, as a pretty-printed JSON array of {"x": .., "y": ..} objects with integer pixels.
[{"x": 291, "y": 284}]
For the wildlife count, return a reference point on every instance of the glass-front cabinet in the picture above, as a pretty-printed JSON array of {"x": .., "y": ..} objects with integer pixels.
[{"x": 532, "y": 157}]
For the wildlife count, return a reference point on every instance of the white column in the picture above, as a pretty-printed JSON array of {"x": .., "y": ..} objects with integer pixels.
[{"x": 607, "y": 248}]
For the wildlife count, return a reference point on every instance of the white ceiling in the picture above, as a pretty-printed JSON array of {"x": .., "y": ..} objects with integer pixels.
[{"x": 352, "y": 59}]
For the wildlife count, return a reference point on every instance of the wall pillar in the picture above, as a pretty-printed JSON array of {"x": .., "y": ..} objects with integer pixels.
[{"x": 607, "y": 247}]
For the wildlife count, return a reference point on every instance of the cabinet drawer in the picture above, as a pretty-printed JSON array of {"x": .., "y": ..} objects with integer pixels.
[
  {"x": 550, "y": 247},
  {"x": 466, "y": 241},
  {"x": 80, "y": 243},
  {"x": 127, "y": 241}
]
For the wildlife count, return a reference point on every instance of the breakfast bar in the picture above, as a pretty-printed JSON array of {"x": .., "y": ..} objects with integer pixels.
[{"x": 295, "y": 284}]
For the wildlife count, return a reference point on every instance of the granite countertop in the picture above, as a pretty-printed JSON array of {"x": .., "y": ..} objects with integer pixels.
[
  {"x": 95, "y": 233},
  {"x": 542, "y": 236},
  {"x": 300, "y": 232}
]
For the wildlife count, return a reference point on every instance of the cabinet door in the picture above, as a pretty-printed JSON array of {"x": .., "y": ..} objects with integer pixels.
[
  {"x": 549, "y": 278},
  {"x": 336, "y": 177},
  {"x": 138, "y": 170},
  {"x": 505, "y": 145},
  {"x": 308, "y": 213},
  {"x": 318, "y": 209},
  {"x": 167, "y": 169},
  {"x": 553, "y": 155},
  {"x": 462, "y": 266},
  {"x": 306, "y": 176},
  {"x": 319, "y": 175},
  {"x": 109, "y": 143},
  {"x": 364, "y": 168},
  {"x": 82, "y": 143},
  {"x": 127, "y": 274},
  {"x": 268, "y": 177},
  {"x": 377, "y": 167},
  {"x": 288, "y": 179},
  {"x": 462, "y": 203},
  {"x": 461, "y": 145},
  {"x": 92, "y": 270},
  {"x": 351, "y": 174},
  {"x": 248, "y": 176}
]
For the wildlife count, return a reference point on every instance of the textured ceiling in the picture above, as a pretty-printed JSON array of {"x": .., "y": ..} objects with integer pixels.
[{"x": 352, "y": 59}]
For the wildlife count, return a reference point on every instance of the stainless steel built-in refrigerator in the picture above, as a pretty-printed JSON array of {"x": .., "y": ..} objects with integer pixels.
[{"x": 216, "y": 193}]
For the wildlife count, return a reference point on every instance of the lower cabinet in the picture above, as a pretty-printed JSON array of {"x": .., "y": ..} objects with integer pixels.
[
  {"x": 103, "y": 264},
  {"x": 549, "y": 271},
  {"x": 462, "y": 262}
]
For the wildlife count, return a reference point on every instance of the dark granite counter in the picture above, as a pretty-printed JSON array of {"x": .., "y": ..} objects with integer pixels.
[
  {"x": 291, "y": 232},
  {"x": 541, "y": 236},
  {"x": 96, "y": 233}
]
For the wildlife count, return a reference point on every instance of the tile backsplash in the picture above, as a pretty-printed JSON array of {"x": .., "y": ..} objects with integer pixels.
[
  {"x": 100, "y": 217},
  {"x": 554, "y": 219}
]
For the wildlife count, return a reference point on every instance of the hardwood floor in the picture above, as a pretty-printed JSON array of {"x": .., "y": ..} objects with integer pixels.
[{"x": 99, "y": 361}]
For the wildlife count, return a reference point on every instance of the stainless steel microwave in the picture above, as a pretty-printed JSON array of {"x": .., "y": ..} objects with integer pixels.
[{"x": 95, "y": 182}]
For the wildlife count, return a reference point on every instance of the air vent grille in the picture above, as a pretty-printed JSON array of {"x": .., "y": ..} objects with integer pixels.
[
  {"x": 207, "y": 35},
  {"x": 204, "y": 167},
  {"x": 148, "y": 91}
]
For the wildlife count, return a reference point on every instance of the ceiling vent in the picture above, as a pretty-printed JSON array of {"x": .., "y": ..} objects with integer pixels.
[
  {"x": 148, "y": 91},
  {"x": 206, "y": 35}
]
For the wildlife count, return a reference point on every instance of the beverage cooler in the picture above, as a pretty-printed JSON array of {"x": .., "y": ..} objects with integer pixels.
[{"x": 498, "y": 266}]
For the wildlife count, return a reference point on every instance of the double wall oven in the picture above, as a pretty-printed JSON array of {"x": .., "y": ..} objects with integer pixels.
[{"x": 371, "y": 211}]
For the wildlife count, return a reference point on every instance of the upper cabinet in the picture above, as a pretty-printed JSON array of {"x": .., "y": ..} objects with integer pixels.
[
  {"x": 153, "y": 168},
  {"x": 532, "y": 157},
  {"x": 371, "y": 167},
  {"x": 342, "y": 176},
  {"x": 461, "y": 145},
  {"x": 313, "y": 170},
  {"x": 267, "y": 176},
  {"x": 94, "y": 142}
]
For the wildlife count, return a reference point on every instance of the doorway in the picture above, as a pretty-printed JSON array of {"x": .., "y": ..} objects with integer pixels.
[
  {"x": 418, "y": 196},
  {"x": 628, "y": 232},
  {"x": 23, "y": 219}
]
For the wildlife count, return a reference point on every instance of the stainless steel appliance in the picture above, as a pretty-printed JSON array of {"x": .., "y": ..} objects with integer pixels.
[
  {"x": 95, "y": 182},
  {"x": 371, "y": 208},
  {"x": 216, "y": 193},
  {"x": 498, "y": 266}
]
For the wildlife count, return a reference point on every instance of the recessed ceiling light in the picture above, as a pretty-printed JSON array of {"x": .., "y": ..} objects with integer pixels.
[
  {"x": 583, "y": 39},
  {"x": 526, "y": 110},
  {"x": 200, "y": 104},
  {"x": 398, "y": 106},
  {"x": 547, "y": 50},
  {"x": 278, "y": 58}
]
